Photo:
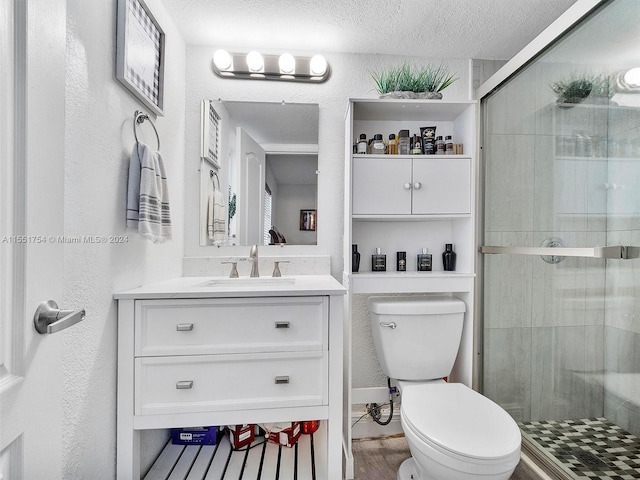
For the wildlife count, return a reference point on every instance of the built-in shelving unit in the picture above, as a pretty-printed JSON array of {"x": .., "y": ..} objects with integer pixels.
[{"x": 409, "y": 202}]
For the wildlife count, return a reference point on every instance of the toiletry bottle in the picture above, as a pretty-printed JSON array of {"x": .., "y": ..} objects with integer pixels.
[
  {"x": 401, "y": 261},
  {"x": 416, "y": 145},
  {"x": 449, "y": 258},
  {"x": 378, "y": 261},
  {"x": 440, "y": 147},
  {"x": 424, "y": 261},
  {"x": 355, "y": 258},
  {"x": 377, "y": 146},
  {"x": 392, "y": 148},
  {"x": 448, "y": 145},
  {"x": 362, "y": 144},
  {"x": 403, "y": 142}
]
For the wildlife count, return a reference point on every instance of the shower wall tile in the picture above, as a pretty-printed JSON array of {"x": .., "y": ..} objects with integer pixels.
[
  {"x": 507, "y": 369},
  {"x": 562, "y": 384},
  {"x": 512, "y": 163},
  {"x": 622, "y": 378},
  {"x": 510, "y": 112},
  {"x": 569, "y": 293},
  {"x": 623, "y": 286},
  {"x": 544, "y": 173},
  {"x": 508, "y": 283}
]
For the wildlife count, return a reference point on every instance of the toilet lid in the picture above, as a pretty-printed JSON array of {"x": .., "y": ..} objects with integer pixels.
[{"x": 460, "y": 420}]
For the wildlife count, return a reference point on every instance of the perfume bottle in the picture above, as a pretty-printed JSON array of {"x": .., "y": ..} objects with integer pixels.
[
  {"x": 449, "y": 258},
  {"x": 378, "y": 261},
  {"x": 401, "y": 261},
  {"x": 424, "y": 261},
  {"x": 355, "y": 258}
]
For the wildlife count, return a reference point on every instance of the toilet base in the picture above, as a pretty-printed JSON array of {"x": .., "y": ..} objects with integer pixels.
[{"x": 407, "y": 470}]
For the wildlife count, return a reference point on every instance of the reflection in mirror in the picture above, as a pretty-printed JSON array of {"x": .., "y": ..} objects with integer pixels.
[{"x": 258, "y": 173}]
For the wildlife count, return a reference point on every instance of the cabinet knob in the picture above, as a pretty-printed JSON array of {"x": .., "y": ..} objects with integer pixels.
[
  {"x": 407, "y": 186},
  {"x": 417, "y": 186}
]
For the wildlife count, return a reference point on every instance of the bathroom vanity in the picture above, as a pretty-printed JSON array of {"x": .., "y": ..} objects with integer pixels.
[{"x": 198, "y": 351}]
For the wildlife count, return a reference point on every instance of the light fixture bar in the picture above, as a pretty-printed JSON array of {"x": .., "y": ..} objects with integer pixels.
[{"x": 305, "y": 69}]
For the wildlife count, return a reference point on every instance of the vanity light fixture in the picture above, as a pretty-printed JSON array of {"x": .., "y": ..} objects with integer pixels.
[{"x": 286, "y": 67}]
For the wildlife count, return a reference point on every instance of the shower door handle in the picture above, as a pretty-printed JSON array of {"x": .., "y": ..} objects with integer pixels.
[{"x": 624, "y": 252}]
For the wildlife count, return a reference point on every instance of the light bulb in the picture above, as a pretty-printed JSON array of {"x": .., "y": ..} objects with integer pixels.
[
  {"x": 222, "y": 59},
  {"x": 255, "y": 61},
  {"x": 632, "y": 77},
  {"x": 287, "y": 63},
  {"x": 318, "y": 65}
]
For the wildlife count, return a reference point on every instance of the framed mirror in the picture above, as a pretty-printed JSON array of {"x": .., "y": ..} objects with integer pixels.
[{"x": 259, "y": 165}]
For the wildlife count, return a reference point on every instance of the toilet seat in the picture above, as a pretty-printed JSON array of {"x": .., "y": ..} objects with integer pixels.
[{"x": 459, "y": 422}]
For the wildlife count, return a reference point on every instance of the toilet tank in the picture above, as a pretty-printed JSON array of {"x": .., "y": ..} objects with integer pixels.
[{"x": 416, "y": 338}]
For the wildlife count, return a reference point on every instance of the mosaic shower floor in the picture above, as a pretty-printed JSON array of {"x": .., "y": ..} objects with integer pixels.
[{"x": 587, "y": 448}]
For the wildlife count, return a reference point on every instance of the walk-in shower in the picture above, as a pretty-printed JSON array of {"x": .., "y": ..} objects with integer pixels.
[{"x": 561, "y": 292}]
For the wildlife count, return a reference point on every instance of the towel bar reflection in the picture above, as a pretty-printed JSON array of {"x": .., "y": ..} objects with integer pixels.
[{"x": 139, "y": 118}]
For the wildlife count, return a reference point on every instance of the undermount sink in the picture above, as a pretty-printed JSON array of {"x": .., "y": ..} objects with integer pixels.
[{"x": 248, "y": 281}]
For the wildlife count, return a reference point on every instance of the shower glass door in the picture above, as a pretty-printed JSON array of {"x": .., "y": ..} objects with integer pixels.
[{"x": 561, "y": 289}]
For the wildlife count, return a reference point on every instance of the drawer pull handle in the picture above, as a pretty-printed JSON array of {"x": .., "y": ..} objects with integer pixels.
[
  {"x": 184, "y": 384},
  {"x": 283, "y": 324},
  {"x": 281, "y": 380},
  {"x": 184, "y": 327}
]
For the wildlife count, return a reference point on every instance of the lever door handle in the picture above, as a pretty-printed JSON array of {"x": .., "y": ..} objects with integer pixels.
[
  {"x": 390, "y": 325},
  {"x": 51, "y": 319}
]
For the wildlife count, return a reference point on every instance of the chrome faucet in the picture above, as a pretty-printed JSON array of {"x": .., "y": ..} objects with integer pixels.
[{"x": 253, "y": 255}]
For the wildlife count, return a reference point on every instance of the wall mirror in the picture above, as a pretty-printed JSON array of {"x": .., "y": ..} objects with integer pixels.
[{"x": 258, "y": 174}]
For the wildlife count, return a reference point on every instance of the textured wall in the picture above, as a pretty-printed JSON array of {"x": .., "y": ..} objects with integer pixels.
[{"x": 99, "y": 116}]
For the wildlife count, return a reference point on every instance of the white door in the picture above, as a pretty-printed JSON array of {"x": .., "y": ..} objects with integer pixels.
[
  {"x": 31, "y": 220},
  {"x": 250, "y": 202}
]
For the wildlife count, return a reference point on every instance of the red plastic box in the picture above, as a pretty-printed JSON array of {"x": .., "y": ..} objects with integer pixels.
[{"x": 310, "y": 426}]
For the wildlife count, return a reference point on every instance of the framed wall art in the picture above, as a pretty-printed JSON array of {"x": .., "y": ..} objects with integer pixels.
[
  {"x": 140, "y": 53},
  {"x": 308, "y": 220}
]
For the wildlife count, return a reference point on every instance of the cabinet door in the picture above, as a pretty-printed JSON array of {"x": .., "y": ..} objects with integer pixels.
[
  {"x": 441, "y": 186},
  {"x": 379, "y": 186}
]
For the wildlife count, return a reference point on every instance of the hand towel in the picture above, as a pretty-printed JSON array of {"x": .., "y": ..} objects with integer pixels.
[
  {"x": 216, "y": 218},
  {"x": 148, "y": 210}
]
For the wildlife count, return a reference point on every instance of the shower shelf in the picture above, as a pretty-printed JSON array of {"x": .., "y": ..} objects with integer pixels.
[{"x": 614, "y": 251}]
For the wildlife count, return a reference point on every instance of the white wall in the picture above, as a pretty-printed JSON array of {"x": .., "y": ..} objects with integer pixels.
[
  {"x": 99, "y": 118},
  {"x": 350, "y": 78}
]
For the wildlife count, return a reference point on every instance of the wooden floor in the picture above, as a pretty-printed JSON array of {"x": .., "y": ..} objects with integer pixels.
[{"x": 380, "y": 458}]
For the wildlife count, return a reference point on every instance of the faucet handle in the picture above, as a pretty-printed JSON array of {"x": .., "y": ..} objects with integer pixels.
[
  {"x": 276, "y": 268},
  {"x": 234, "y": 269}
]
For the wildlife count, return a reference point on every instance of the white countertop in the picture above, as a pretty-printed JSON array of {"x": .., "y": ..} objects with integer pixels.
[{"x": 213, "y": 287}]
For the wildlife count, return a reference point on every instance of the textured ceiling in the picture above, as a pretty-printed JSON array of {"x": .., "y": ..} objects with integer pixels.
[{"x": 487, "y": 29}]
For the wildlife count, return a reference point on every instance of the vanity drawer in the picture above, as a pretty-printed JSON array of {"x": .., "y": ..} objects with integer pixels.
[
  {"x": 230, "y": 325},
  {"x": 208, "y": 383}
]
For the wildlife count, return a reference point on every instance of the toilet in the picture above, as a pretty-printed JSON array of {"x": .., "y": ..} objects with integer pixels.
[{"x": 453, "y": 432}]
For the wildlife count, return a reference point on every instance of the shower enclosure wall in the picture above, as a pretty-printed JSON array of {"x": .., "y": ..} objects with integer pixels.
[{"x": 561, "y": 156}]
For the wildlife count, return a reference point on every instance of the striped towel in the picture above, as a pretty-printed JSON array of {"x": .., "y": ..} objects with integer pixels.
[
  {"x": 216, "y": 218},
  {"x": 148, "y": 195}
]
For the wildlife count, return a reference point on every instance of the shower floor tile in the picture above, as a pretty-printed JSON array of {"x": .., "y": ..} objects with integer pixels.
[{"x": 587, "y": 448}]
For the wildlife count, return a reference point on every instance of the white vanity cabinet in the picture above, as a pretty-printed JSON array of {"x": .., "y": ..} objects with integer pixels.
[
  {"x": 402, "y": 185},
  {"x": 191, "y": 356}
]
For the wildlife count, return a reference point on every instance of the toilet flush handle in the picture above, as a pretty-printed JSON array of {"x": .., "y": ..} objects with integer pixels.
[{"x": 390, "y": 325}]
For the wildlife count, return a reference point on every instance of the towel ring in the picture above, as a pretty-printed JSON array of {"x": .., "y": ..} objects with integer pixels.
[
  {"x": 214, "y": 174},
  {"x": 139, "y": 119}
]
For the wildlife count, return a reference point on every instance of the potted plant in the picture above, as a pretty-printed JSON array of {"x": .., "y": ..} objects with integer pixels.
[
  {"x": 576, "y": 89},
  {"x": 406, "y": 81}
]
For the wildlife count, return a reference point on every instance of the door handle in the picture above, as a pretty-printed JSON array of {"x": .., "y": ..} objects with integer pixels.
[
  {"x": 391, "y": 325},
  {"x": 51, "y": 319}
]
